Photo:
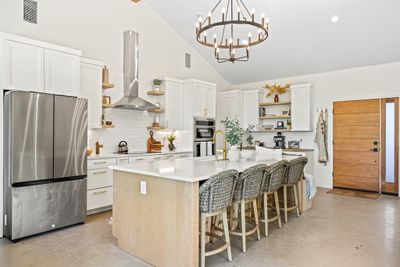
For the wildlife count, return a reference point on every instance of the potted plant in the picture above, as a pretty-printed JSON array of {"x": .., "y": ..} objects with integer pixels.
[
  {"x": 157, "y": 83},
  {"x": 171, "y": 138},
  {"x": 233, "y": 136}
]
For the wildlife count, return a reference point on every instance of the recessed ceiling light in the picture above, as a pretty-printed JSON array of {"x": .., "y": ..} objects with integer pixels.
[{"x": 335, "y": 18}]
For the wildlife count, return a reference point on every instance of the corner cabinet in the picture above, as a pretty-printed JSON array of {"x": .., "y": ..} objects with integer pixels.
[
  {"x": 301, "y": 107},
  {"x": 32, "y": 65},
  {"x": 91, "y": 89}
]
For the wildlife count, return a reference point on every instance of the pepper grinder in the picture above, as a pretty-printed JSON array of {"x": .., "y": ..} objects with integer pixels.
[{"x": 98, "y": 146}]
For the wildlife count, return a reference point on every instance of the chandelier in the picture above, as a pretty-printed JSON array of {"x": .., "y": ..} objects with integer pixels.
[{"x": 231, "y": 34}]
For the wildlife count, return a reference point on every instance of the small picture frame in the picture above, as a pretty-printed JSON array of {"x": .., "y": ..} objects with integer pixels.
[{"x": 263, "y": 112}]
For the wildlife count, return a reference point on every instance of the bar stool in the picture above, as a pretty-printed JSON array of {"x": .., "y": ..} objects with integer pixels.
[
  {"x": 294, "y": 174},
  {"x": 247, "y": 191},
  {"x": 215, "y": 196},
  {"x": 273, "y": 181}
]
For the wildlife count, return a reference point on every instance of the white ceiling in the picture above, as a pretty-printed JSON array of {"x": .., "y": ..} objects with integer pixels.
[{"x": 302, "y": 38}]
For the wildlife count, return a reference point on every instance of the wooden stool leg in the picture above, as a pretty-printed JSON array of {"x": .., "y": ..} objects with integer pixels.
[
  {"x": 256, "y": 219},
  {"x": 226, "y": 232},
  {"x": 296, "y": 199},
  {"x": 265, "y": 214},
  {"x": 243, "y": 224},
  {"x": 285, "y": 203},
  {"x": 278, "y": 211},
  {"x": 203, "y": 240}
]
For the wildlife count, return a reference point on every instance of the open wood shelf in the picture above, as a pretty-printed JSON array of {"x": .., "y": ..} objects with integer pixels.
[
  {"x": 275, "y": 103},
  {"x": 160, "y": 110},
  {"x": 108, "y": 85},
  {"x": 155, "y": 128},
  {"x": 155, "y": 93},
  {"x": 107, "y": 126},
  {"x": 108, "y": 105},
  {"x": 275, "y": 117}
]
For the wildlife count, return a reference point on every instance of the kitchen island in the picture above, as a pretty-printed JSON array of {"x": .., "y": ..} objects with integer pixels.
[{"x": 156, "y": 206}]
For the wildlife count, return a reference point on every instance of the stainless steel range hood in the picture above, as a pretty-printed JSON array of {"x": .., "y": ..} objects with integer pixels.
[{"x": 131, "y": 99}]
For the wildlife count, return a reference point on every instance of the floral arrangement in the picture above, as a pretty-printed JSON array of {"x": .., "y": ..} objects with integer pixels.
[
  {"x": 276, "y": 89},
  {"x": 171, "y": 138}
]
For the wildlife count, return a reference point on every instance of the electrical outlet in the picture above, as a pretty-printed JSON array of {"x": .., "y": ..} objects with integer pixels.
[{"x": 143, "y": 187}]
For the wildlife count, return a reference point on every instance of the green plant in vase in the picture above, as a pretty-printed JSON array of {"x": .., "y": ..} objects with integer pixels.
[
  {"x": 171, "y": 138},
  {"x": 157, "y": 83}
]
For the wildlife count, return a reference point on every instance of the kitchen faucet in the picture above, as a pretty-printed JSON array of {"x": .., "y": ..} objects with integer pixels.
[{"x": 224, "y": 150}]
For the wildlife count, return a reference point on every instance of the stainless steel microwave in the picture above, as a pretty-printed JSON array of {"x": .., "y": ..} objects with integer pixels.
[{"x": 204, "y": 129}]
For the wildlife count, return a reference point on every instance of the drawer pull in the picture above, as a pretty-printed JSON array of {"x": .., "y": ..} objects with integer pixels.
[
  {"x": 122, "y": 159},
  {"x": 99, "y": 192},
  {"x": 102, "y": 172},
  {"x": 103, "y": 162},
  {"x": 138, "y": 159}
]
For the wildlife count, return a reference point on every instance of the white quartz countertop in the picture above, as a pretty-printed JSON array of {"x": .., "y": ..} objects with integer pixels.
[
  {"x": 135, "y": 154},
  {"x": 194, "y": 169}
]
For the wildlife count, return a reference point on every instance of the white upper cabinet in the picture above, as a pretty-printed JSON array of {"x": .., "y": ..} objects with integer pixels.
[
  {"x": 174, "y": 104},
  {"x": 24, "y": 66},
  {"x": 301, "y": 107},
  {"x": 62, "y": 73},
  {"x": 250, "y": 108},
  {"x": 33, "y": 65},
  {"x": 231, "y": 106},
  {"x": 91, "y": 89},
  {"x": 204, "y": 98}
]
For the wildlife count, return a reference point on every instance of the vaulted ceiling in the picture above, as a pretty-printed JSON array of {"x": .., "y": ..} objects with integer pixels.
[{"x": 302, "y": 39}]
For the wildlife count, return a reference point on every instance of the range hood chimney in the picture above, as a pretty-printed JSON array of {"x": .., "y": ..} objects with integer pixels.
[{"x": 131, "y": 99}]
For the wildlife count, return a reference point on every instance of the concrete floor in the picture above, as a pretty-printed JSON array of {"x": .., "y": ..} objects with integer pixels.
[{"x": 337, "y": 231}]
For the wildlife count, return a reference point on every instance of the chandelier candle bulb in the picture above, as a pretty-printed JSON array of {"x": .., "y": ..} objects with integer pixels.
[
  {"x": 209, "y": 17},
  {"x": 262, "y": 18},
  {"x": 215, "y": 38},
  {"x": 223, "y": 14},
  {"x": 252, "y": 14},
  {"x": 238, "y": 12}
]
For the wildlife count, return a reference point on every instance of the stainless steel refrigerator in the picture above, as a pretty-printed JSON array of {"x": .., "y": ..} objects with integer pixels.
[{"x": 45, "y": 140}]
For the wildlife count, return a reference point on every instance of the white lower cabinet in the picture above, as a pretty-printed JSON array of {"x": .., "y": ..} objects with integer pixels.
[
  {"x": 99, "y": 178},
  {"x": 99, "y": 198}
]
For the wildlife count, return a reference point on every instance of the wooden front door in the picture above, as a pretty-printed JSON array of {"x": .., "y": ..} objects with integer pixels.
[{"x": 356, "y": 144}]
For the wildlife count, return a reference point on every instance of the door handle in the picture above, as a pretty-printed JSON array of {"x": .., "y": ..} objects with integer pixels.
[{"x": 374, "y": 149}]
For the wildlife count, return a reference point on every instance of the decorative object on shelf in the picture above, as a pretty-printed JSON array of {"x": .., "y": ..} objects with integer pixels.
[
  {"x": 98, "y": 147},
  {"x": 153, "y": 146},
  {"x": 228, "y": 44},
  {"x": 263, "y": 111},
  {"x": 276, "y": 90},
  {"x": 157, "y": 83},
  {"x": 107, "y": 100},
  {"x": 289, "y": 123},
  {"x": 280, "y": 125},
  {"x": 156, "y": 122},
  {"x": 171, "y": 138},
  {"x": 106, "y": 79}
]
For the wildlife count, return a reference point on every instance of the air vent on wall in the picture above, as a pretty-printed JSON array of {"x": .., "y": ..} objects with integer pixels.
[
  {"x": 188, "y": 62},
  {"x": 30, "y": 11}
]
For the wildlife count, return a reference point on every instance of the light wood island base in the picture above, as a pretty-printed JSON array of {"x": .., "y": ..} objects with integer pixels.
[{"x": 160, "y": 227}]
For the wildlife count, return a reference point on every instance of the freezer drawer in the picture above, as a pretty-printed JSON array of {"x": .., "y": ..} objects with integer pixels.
[
  {"x": 28, "y": 135},
  {"x": 40, "y": 208},
  {"x": 70, "y": 136}
]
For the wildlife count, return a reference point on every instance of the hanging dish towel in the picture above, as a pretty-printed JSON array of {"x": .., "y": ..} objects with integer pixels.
[{"x": 320, "y": 139}]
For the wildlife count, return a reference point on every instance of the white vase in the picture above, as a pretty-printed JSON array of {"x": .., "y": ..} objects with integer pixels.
[{"x": 233, "y": 153}]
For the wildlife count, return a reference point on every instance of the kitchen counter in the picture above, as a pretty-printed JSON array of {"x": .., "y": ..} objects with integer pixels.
[
  {"x": 135, "y": 154},
  {"x": 156, "y": 206},
  {"x": 193, "y": 169}
]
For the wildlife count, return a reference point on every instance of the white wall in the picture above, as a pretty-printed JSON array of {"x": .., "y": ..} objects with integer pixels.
[
  {"x": 358, "y": 83},
  {"x": 96, "y": 28}
]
